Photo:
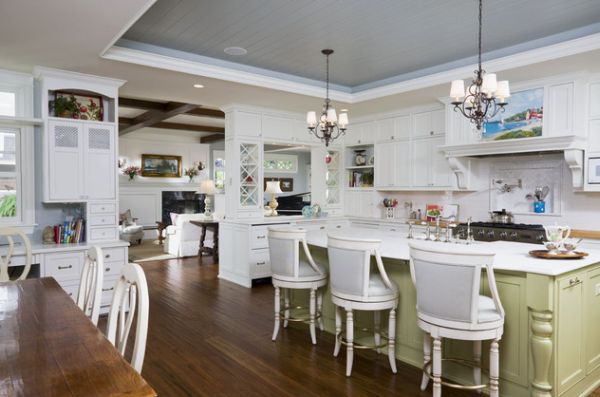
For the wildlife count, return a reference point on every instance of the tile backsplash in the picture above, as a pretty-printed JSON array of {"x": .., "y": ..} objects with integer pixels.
[{"x": 577, "y": 209}]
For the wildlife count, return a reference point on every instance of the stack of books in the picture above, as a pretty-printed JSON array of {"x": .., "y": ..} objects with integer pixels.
[{"x": 70, "y": 232}]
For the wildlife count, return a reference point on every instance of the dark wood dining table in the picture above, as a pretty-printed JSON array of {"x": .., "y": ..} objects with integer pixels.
[{"x": 48, "y": 347}]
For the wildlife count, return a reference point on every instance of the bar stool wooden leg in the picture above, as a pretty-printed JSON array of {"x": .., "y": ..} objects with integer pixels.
[
  {"x": 426, "y": 358},
  {"x": 277, "y": 310},
  {"x": 338, "y": 330},
  {"x": 313, "y": 303},
  {"x": 350, "y": 341},
  {"x": 377, "y": 328},
  {"x": 320, "y": 308},
  {"x": 392, "y": 340},
  {"x": 494, "y": 368},
  {"x": 477, "y": 360},
  {"x": 286, "y": 314},
  {"x": 437, "y": 367}
]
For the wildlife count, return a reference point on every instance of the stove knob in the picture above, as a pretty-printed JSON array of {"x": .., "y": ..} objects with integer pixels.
[
  {"x": 503, "y": 235},
  {"x": 514, "y": 235},
  {"x": 481, "y": 232},
  {"x": 540, "y": 237},
  {"x": 491, "y": 234}
]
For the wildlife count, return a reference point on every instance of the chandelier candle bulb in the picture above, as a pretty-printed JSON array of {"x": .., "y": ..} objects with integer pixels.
[
  {"x": 331, "y": 115},
  {"x": 343, "y": 120},
  {"x": 503, "y": 90},
  {"x": 311, "y": 119},
  {"x": 489, "y": 85}
]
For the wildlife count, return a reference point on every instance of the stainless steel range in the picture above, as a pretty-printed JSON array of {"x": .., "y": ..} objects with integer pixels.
[{"x": 489, "y": 231}]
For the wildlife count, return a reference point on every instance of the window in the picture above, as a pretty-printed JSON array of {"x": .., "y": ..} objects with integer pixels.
[
  {"x": 281, "y": 163},
  {"x": 7, "y": 104},
  {"x": 10, "y": 211},
  {"x": 219, "y": 169}
]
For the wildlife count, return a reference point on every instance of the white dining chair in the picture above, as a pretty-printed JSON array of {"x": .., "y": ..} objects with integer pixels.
[
  {"x": 6, "y": 257},
  {"x": 291, "y": 272},
  {"x": 449, "y": 305},
  {"x": 90, "y": 285},
  {"x": 355, "y": 287},
  {"x": 130, "y": 300}
]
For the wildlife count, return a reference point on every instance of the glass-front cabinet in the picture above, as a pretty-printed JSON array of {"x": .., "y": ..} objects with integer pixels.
[
  {"x": 249, "y": 178},
  {"x": 244, "y": 178},
  {"x": 332, "y": 177}
]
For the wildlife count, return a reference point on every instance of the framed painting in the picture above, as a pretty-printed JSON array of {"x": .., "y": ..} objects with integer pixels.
[
  {"x": 522, "y": 117},
  {"x": 78, "y": 106},
  {"x": 286, "y": 184},
  {"x": 161, "y": 166}
]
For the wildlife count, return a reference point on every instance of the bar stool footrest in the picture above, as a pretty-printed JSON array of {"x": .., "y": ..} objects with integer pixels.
[
  {"x": 301, "y": 319},
  {"x": 356, "y": 345},
  {"x": 469, "y": 363}
]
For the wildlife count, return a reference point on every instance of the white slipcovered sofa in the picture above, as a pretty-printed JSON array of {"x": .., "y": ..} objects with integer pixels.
[{"x": 183, "y": 237}]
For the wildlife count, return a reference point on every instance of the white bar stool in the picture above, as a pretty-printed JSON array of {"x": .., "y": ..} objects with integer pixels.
[
  {"x": 447, "y": 280},
  {"x": 289, "y": 271},
  {"x": 354, "y": 287}
]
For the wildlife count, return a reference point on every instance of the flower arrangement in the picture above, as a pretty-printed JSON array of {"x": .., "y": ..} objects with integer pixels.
[
  {"x": 132, "y": 171},
  {"x": 66, "y": 106},
  {"x": 194, "y": 170}
]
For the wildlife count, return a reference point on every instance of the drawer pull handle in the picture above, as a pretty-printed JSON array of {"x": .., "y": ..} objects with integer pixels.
[
  {"x": 339, "y": 226},
  {"x": 65, "y": 267},
  {"x": 107, "y": 269},
  {"x": 575, "y": 281},
  {"x": 107, "y": 256},
  {"x": 392, "y": 230},
  {"x": 261, "y": 263},
  {"x": 260, "y": 237},
  {"x": 107, "y": 289},
  {"x": 322, "y": 227}
]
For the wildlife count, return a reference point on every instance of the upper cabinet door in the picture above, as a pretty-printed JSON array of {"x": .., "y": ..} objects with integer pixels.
[
  {"x": 385, "y": 130},
  {"x": 385, "y": 165},
  {"x": 429, "y": 123},
  {"x": 441, "y": 174},
  {"x": 421, "y": 163},
  {"x": 403, "y": 166},
  {"x": 63, "y": 179},
  {"x": 402, "y": 127},
  {"x": 560, "y": 110},
  {"x": 277, "y": 128},
  {"x": 438, "y": 122},
  {"x": 100, "y": 159}
]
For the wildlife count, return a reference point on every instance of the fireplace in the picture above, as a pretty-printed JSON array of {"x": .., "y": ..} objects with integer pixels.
[{"x": 181, "y": 203}]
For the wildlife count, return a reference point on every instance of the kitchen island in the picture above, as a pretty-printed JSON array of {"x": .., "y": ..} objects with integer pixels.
[{"x": 551, "y": 342}]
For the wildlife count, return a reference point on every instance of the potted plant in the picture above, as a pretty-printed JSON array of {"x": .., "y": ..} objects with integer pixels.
[
  {"x": 66, "y": 106},
  {"x": 132, "y": 171}
]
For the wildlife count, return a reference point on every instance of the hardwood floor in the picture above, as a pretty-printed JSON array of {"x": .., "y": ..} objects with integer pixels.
[{"x": 213, "y": 338}]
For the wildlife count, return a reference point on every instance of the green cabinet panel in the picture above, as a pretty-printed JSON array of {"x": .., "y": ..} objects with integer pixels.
[
  {"x": 592, "y": 319},
  {"x": 569, "y": 331}
]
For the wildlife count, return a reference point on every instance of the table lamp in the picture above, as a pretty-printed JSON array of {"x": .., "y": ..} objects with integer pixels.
[
  {"x": 273, "y": 188},
  {"x": 207, "y": 188}
]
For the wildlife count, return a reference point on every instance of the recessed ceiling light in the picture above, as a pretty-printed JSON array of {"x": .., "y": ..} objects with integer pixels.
[
  {"x": 198, "y": 86},
  {"x": 235, "y": 51},
  {"x": 343, "y": 110}
]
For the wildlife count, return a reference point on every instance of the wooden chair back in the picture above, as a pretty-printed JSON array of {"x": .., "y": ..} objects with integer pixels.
[
  {"x": 6, "y": 255},
  {"x": 90, "y": 286}
]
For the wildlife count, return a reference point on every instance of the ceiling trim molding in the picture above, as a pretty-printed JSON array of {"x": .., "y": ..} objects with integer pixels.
[
  {"x": 128, "y": 25},
  {"x": 145, "y": 58},
  {"x": 529, "y": 57}
]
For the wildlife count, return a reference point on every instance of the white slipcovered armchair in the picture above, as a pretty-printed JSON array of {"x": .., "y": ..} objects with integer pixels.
[{"x": 183, "y": 238}]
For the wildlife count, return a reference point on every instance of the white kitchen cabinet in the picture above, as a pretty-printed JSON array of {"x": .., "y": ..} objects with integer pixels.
[
  {"x": 393, "y": 164},
  {"x": 360, "y": 203},
  {"x": 393, "y": 128},
  {"x": 244, "y": 178},
  {"x": 361, "y": 133},
  {"x": 429, "y": 123},
  {"x": 81, "y": 161},
  {"x": 276, "y": 128},
  {"x": 429, "y": 165}
]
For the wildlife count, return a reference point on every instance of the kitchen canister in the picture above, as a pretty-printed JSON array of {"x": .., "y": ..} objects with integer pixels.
[{"x": 539, "y": 207}]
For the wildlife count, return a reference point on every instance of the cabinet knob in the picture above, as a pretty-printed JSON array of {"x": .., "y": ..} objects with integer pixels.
[
  {"x": 107, "y": 269},
  {"x": 107, "y": 256},
  {"x": 430, "y": 132}
]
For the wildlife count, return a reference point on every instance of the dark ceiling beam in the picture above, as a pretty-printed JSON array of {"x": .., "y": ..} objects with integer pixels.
[
  {"x": 212, "y": 138},
  {"x": 144, "y": 104},
  {"x": 124, "y": 122},
  {"x": 152, "y": 117}
]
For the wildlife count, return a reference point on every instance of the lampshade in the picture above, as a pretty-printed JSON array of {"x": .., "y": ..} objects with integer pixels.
[
  {"x": 343, "y": 121},
  {"x": 457, "y": 89},
  {"x": 503, "y": 90},
  {"x": 489, "y": 85},
  {"x": 273, "y": 187},
  {"x": 207, "y": 186},
  {"x": 331, "y": 115},
  {"x": 311, "y": 119}
]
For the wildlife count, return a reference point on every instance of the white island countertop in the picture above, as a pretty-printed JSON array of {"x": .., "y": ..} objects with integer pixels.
[{"x": 509, "y": 255}]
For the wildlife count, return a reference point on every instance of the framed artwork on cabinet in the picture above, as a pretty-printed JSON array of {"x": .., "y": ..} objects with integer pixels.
[
  {"x": 77, "y": 106},
  {"x": 161, "y": 166}
]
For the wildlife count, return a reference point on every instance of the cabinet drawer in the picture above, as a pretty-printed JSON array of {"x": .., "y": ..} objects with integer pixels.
[
  {"x": 114, "y": 255},
  {"x": 259, "y": 237},
  {"x": 103, "y": 208},
  {"x": 260, "y": 265},
  {"x": 103, "y": 233},
  {"x": 113, "y": 268},
  {"x": 108, "y": 288},
  {"x": 102, "y": 220},
  {"x": 64, "y": 266}
]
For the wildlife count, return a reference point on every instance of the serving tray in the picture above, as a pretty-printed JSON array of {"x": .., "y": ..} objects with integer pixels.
[{"x": 560, "y": 255}]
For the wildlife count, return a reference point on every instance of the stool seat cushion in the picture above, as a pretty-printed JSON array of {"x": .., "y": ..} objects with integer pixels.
[
  {"x": 305, "y": 273},
  {"x": 487, "y": 310},
  {"x": 378, "y": 289}
]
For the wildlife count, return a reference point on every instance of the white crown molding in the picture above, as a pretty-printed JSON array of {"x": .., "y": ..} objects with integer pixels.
[
  {"x": 128, "y": 25},
  {"x": 44, "y": 72},
  {"x": 542, "y": 54},
  {"x": 218, "y": 72}
]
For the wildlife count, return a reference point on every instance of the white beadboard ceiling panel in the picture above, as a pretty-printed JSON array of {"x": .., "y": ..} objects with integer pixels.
[{"x": 373, "y": 40}]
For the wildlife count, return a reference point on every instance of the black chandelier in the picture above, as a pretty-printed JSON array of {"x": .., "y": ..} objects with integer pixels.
[
  {"x": 329, "y": 127},
  {"x": 485, "y": 97}
]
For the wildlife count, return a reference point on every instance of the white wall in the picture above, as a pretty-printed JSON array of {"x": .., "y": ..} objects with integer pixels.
[{"x": 579, "y": 210}]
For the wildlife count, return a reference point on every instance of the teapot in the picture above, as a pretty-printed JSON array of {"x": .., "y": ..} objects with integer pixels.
[{"x": 557, "y": 233}]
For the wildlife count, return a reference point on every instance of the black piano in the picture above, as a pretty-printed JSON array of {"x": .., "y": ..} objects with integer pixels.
[{"x": 293, "y": 204}]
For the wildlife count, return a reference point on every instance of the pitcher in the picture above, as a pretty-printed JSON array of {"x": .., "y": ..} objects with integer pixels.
[{"x": 557, "y": 234}]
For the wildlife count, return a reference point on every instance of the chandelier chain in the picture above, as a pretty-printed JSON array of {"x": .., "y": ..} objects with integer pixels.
[{"x": 480, "y": 31}]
